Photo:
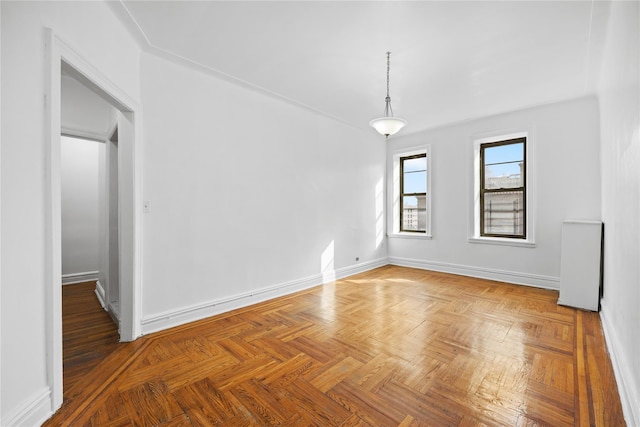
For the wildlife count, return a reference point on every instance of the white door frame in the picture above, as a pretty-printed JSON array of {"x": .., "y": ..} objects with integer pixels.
[{"x": 60, "y": 54}]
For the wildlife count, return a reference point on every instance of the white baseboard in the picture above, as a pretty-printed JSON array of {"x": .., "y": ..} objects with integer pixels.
[
  {"x": 360, "y": 267},
  {"x": 113, "y": 308},
  {"x": 627, "y": 388},
  {"x": 535, "y": 280},
  {"x": 86, "y": 276},
  {"x": 114, "y": 311},
  {"x": 169, "y": 319},
  {"x": 33, "y": 412},
  {"x": 100, "y": 294}
]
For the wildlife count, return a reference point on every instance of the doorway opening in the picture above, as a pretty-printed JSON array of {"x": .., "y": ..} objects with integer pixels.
[
  {"x": 127, "y": 269},
  {"x": 88, "y": 205}
]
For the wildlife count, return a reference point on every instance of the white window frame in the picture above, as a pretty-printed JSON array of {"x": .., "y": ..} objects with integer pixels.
[
  {"x": 394, "y": 207},
  {"x": 474, "y": 210}
]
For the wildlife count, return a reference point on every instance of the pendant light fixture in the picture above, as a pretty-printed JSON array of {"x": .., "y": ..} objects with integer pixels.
[{"x": 388, "y": 125}]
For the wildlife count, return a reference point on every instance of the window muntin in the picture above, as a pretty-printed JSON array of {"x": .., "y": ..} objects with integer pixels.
[
  {"x": 503, "y": 189},
  {"x": 413, "y": 193}
]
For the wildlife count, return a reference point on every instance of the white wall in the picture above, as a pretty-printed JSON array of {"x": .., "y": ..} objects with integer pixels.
[
  {"x": 94, "y": 32},
  {"x": 566, "y": 173},
  {"x": 80, "y": 200},
  {"x": 247, "y": 192},
  {"x": 620, "y": 134}
]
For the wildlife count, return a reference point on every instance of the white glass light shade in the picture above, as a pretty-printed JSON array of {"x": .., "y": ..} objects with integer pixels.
[{"x": 387, "y": 125}]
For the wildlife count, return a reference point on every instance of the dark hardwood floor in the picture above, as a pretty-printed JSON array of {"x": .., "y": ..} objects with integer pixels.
[
  {"x": 88, "y": 332},
  {"x": 391, "y": 347}
]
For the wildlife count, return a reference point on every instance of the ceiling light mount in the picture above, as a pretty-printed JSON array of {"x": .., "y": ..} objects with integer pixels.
[{"x": 388, "y": 125}]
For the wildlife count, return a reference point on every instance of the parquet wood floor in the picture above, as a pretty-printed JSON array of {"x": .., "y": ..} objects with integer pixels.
[{"x": 391, "y": 347}]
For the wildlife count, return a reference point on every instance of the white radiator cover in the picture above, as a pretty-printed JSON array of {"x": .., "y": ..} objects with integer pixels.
[{"x": 580, "y": 265}]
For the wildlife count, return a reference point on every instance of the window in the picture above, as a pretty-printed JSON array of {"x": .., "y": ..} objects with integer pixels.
[
  {"x": 413, "y": 193},
  {"x": 503, "y": 198},
  {"x": 410, "y": 184}
]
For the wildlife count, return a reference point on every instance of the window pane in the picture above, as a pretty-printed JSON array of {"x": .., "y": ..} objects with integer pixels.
[
  {"x": 414, "y": 213},
  {"x": 507, "y": 175},
  {"x": 415, "y": 182},
  {"x": 503, "y": 166},
  {"x": 504, "y": 153},
  {"x": 416, "y": 164},
  {"x": 504, "y": 213}
]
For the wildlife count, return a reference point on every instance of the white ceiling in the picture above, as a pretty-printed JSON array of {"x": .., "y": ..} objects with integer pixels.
[{"x": 450, "y": 61}]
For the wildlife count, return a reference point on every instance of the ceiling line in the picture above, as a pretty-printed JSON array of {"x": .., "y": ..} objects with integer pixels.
[
  {"x": 179, "y": 59},
  {"x": 135, "y": 22},
  {"x": 171, "y": 56}
]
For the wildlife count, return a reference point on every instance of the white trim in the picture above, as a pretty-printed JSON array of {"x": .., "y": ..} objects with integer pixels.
[
  {"x": 83, "y": 71},
  {"x": 82, "y": 134},
  {"x": 59, "y": 55},
  {"x": 582, "y": 221},
  {"x": 100, "y": 294},
  {"x": 629, "y": 394},
  {"x": 527, "y": 279},
  {"x": 502, "y": 241},
  {"x": 180, "y": 316},
  {"x": 112, "y": 130},
  {"x": 53, "y": 251},
  {"x": 360, "y": 267},
  {"x": 393, "y": 204},
  {"x": 405, "y": 235},
  {"x": 32, "y": 412},
  {"x": 172, "y": 318},
  {"x": 474, "y": 185},
  {"x": 85, "y": 276}
]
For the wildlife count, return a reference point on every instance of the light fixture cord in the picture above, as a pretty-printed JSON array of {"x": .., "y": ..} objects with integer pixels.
[{"x": 387, "y": 100}]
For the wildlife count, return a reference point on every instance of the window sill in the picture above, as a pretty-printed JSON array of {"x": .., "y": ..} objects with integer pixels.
[
  {"x": 502, "y": 241},
  {"x": 418, "y": 236}
]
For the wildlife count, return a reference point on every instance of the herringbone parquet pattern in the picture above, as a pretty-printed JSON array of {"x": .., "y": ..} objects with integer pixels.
[{"x": 390, "y": 347}]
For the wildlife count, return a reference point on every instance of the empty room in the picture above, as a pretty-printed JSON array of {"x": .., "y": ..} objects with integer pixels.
[{"x": 331, "y": 213}]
